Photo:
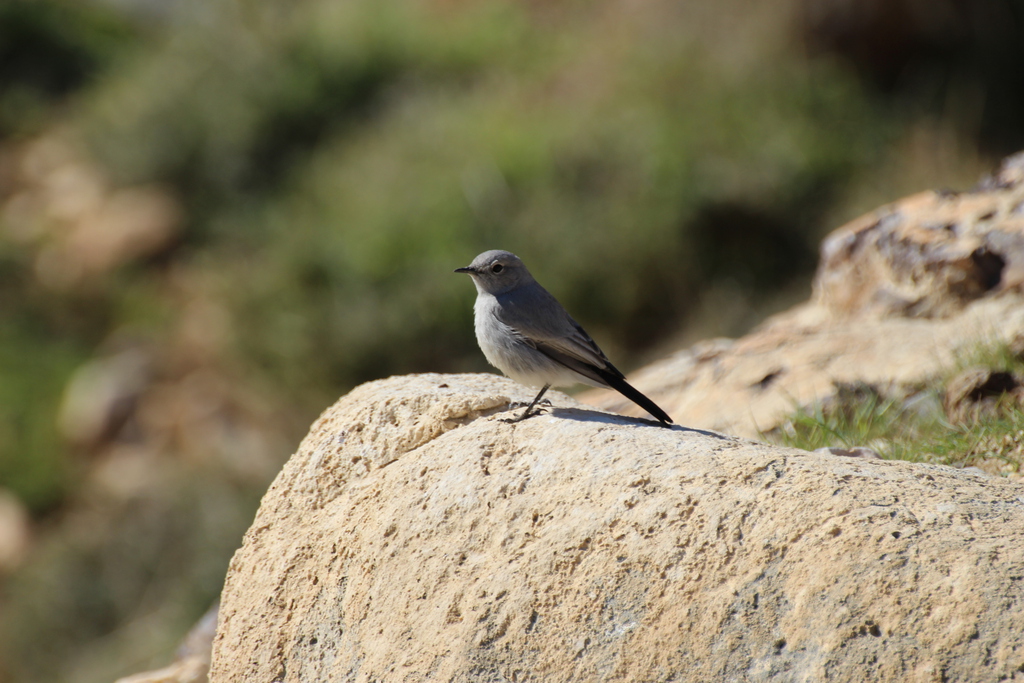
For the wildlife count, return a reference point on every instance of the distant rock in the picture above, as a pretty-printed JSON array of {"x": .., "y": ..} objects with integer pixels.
[
  {"x": 979, "y": 390},
  {"x": 900, "y": 296},
  {"x": 929, "y": 255},
  {"x": 84, "y": 226},
  {"x": 192, "y": 662}
]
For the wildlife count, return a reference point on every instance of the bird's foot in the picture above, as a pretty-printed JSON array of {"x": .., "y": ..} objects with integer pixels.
[
  {"x": 515, "y": 405},
  {"x": 531, "y": 410},
  {"x": 520, "y": 418}
]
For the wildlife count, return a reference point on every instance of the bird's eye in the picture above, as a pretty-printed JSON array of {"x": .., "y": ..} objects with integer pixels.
[{"x": 497, "y": 268}]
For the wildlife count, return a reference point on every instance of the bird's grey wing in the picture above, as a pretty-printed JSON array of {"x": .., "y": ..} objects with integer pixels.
[{"x": 538, "y": 317}]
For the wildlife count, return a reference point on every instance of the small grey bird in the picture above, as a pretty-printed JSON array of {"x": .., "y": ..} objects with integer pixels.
[{"x": 524, "y": 332}]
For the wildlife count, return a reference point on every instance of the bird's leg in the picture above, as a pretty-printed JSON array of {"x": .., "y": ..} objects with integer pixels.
[{"x": 526, "y": 413}]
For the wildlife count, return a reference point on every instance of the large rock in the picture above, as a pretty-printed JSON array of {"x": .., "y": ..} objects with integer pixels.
[
  {"x": 416, "y": 537},
  {"x": 901, "y": 294}
]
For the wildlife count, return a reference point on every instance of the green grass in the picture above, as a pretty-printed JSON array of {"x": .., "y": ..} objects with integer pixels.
[{"x": 988, "y": 434}]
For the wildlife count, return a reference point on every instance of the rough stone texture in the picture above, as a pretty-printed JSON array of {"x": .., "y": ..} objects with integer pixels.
[
  {"x": 899, "y": 296},
  {"x": 416, "y": 537}
]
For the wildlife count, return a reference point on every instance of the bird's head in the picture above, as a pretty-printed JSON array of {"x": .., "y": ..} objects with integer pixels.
[{"x": 497, "y": 271}]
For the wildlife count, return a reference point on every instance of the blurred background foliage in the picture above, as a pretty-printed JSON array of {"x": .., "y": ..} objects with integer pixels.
[{"x": 216, "y": 217}]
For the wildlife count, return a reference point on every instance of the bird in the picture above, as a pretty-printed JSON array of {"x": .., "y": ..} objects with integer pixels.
[{"x": 524, "y": 332}]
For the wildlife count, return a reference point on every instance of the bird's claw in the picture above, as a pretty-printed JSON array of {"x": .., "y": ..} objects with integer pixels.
[
  {"x": 514, "y": 405},
  {"x": 534, "y": 409},
  {"x": 519, "y": 418}
]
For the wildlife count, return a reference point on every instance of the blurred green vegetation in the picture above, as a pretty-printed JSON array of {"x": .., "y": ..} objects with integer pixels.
[
  {"x": 33, "y": 464},
  {"x": 333, "y": 163},
  {"x": 350, "y": 156},
  {"x": 994, "y": 441},
  {"x": 986, "y": 430}
]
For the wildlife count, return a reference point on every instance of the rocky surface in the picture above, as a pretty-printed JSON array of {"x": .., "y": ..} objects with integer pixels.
[
  {"x": 415, "y": 536},
  {"x": 900, "y": 296}
]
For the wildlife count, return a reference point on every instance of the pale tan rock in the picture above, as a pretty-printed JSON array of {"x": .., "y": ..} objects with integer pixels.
[
  {"x": 188, "y": 670},
  {"x": 900, "y": 296},
  {"x": 416, "y": 537},
  {"x": 928, "y": 255}
]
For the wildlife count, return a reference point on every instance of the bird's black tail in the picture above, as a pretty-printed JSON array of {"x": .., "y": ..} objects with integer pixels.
[{"x": 626, "y": 389}]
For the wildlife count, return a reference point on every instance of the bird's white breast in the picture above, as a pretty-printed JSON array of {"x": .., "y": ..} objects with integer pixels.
[{"x": 505, "y": 349}]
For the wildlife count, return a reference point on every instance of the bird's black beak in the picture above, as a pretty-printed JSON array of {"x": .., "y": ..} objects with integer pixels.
[{"x": 467, "y": 269}]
